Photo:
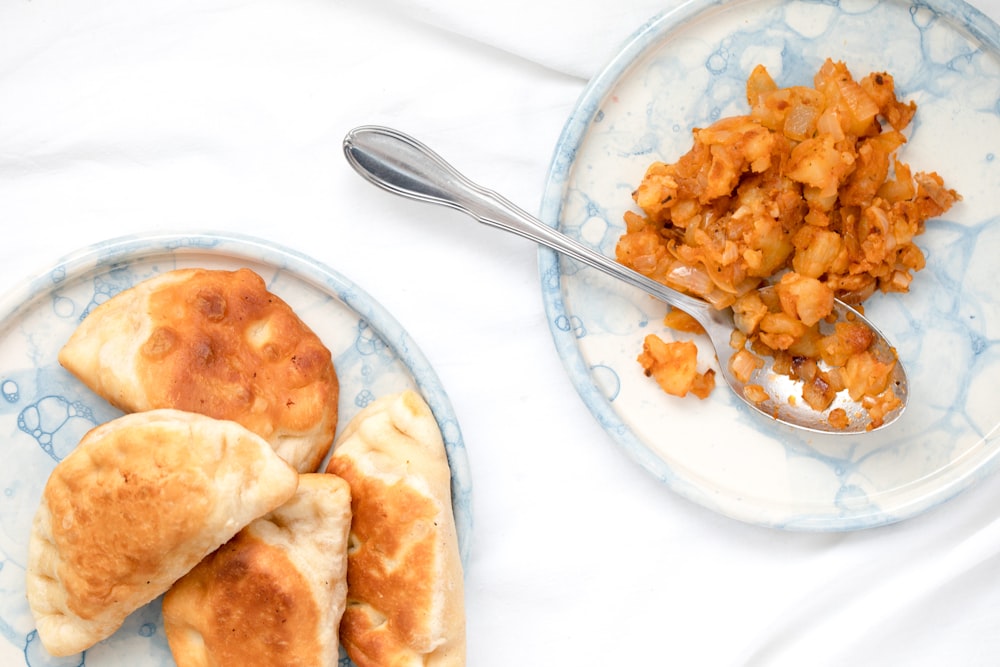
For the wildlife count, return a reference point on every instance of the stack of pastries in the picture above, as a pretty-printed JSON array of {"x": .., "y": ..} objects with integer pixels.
[{"x": 211, "y": 492}]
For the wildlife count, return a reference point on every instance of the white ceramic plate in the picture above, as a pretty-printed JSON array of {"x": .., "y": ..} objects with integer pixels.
[
  {"x": 688, "y": 68},
  {"x": 44, "y": 410}
]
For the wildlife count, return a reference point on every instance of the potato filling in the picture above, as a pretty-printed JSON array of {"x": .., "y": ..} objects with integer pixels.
[{"x": 804, "y": 193}]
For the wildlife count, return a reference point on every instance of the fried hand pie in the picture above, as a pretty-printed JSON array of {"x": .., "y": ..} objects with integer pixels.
[
  {"x": 217, "y": 343},
  {"x": 275, "y": 593},
  {"x": 405, "y": 590},
  {"x": 139, "y": 502}
]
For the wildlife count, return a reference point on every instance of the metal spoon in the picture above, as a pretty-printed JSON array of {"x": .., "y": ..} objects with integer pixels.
[{"x": 402, "y": 165}]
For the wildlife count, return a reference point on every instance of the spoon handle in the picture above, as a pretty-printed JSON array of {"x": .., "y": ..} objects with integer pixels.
[{"x": 402, "y": 165}]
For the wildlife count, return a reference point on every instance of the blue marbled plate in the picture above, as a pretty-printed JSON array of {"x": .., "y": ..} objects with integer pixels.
[
  {"x": 44, "y": 410},
  {"x": 688, "y": 68}
]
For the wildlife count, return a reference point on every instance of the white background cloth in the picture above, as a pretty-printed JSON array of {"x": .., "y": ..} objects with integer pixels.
[{"x": 130, "y": 116}]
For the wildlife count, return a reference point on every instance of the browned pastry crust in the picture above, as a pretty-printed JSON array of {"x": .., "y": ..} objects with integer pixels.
[
  {"x": 275, "y": 593},
  {"x": 405, "y": 590},
  {"x": 217, "y": 343},
  {"x": 138, "y": 503}
]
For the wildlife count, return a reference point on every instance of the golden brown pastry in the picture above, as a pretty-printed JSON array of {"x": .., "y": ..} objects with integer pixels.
[
  {"x": 139, "y": 502},
  {"x": 405, "y": 601},
  {"x": 217, "y": 343},
  {"x": 275, "y": 593}
]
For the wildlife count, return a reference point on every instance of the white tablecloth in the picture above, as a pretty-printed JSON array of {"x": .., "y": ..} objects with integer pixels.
[{"x": 121, "y": 117}]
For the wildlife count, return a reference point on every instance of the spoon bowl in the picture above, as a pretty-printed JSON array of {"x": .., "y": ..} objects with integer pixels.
[{"x": 402, "y": 165}]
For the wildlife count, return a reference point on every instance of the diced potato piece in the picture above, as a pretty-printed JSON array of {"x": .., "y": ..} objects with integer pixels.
[
  {"x": 673, "y": 365},
  {"x": 657, "y": 188},
  {"x": 807, "y": 345},
  {"x": 847, "y": 340},
  {"x": 774, "y": 245},
  {"x": 642, "y": 250},
  {"x": 780, "y": 330},
  {"x": 748, "y": 311},
  {"x": 806, "y": 299},
  {"x": 820, "y": 163},
  {"x": 840, "y": 89},
  {"x": 871, "y": 168},
  {"x": 735, "y": 144},
  {"x": 819, "y": 252},
  {"x": 865, "y": 375}
]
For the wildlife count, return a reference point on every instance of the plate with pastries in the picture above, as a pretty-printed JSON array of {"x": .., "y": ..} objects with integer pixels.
[
  {"x": 220, "y": 451},
  {"x": 827, "y": 149}
]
